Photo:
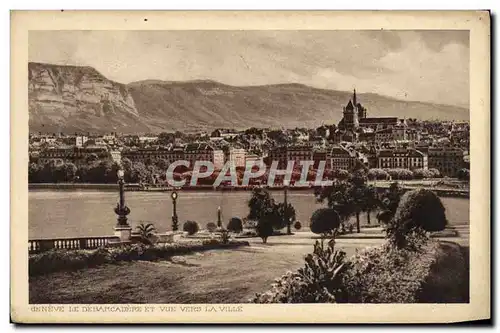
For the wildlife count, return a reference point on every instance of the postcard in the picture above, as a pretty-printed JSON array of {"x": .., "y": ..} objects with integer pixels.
[{"x": 250, "y": 167}]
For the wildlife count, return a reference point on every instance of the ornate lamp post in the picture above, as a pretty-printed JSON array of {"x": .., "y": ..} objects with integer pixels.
[
  {"x": 285, "y": 212},
  {"x": 175, "y": 219},
  {"x": 122, "y": 228}
]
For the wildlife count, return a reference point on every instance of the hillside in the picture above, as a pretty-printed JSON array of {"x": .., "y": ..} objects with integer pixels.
[{"x": 72, "y": 98}]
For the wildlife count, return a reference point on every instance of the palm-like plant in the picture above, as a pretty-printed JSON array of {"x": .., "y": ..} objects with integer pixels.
[{"x": 146, "y": 232}]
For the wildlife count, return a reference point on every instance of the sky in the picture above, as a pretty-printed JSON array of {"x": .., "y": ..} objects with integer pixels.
[{"x": 423, "y": 65}]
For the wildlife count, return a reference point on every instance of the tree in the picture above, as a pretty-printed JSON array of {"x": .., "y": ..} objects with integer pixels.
[
  {"x": 34, "y": 173},
  {"x": 290, "y": 214},
  {"x": 371, "y": 201},
  {"x": 162, "y": 164},
  {"x": 211, "y": 226},
  {"x": 324, "y": 221},
  {"x": 419, "y": 211},
  {"x": 235, "y": 225},
  {"x": 69, "y": 172},
  {"x": 265, "y": 224},
  {"x": 391, "y": 197},
  {"x": 357, "y": 194},
  {"x": 91, "y": 158},
  {"x": 165, "y": 138},
  {"x": 339, "y": 198},
  {"x": 259, "y": 203},
  {"x": 146, "y": 232}
]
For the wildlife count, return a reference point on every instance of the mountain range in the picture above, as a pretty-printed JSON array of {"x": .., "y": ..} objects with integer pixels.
[{"x": 80, "y": 99}]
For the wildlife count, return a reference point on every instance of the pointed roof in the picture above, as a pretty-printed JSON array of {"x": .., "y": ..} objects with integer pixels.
[{"x": 349, "y": 106}]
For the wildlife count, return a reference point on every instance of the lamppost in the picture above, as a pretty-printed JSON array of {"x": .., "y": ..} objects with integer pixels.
[
  {"x": 285, "y": 212},
  {"x": 175, "y": 220},
  {"x": 219, "y": 220},
  {"x": 122, "y": 228}
]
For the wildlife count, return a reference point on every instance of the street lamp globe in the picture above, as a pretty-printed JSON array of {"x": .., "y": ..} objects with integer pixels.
[
  {"x": 174, "y": 195},
  {"x": 120, "y": 174}
]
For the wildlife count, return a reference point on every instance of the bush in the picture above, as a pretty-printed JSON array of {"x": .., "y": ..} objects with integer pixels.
[
  {"x": 389, "y": 275},
  {"x": 224, "y": 236},
  {"x": 377, "y": 174},
  {"x": 321, "y": 280},
  {"x": 463, "y": 174},
  {"x": 324, "y": 221},
  {"x": 419, "y": 210},
  {"x": 211, "y": 226},
  {"x": 235, "y": 225},
  {"x": 400, "y": 174},
  {"x": 434, "y": 173},
  {"x": 297, "y": 225},
  {"x": 341, "y": 174},
  {"x": 211, "y": 241},
  {"x": 191, "y": 227},
  {"x": 421, "y": 174}
]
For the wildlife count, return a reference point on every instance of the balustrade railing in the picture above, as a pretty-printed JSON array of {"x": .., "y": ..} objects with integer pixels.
[{"x": 80, "y": 243}]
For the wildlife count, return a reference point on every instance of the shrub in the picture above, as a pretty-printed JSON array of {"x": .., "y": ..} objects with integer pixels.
[
  {"x": 421, "y": 174},
  {"x": 324, "y": 221},
  {"x": 419, "y": 210},
  {"x": 389, "y": 275},
  {"x": 384, "y": 216},
  {"x": 377, "y": 174},
  {"x": 399, "y": 174},
  {"x": 341, "y": 174},
  {"x": 211, "y": 241},
  {"x": 224, "y": 236},
  {"x": 463, "y": 174},
  {"x": 211, "y": 226},
  {"x": 146, "y": 232},
  {"x": 434, "y": 173},
  {"x": 235, "y": 225},
  {"x": 297, "y": 225},
  {"x": 321, "y": 280},
  {"x": 249, "y": 233},
  {"x": 191, "y": 227}
]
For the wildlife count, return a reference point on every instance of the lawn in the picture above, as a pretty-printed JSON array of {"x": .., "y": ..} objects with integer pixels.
[{"x": 216, "y": 276}]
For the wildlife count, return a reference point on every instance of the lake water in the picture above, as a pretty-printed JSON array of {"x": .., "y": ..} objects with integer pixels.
[{"x": 78, "y": 213}]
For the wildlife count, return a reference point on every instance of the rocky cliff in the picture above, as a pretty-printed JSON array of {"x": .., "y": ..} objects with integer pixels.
[{"x": 72, "y": 98}]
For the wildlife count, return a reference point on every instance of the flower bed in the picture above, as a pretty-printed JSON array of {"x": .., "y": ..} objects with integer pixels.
[{"x": 58, "y": 260}]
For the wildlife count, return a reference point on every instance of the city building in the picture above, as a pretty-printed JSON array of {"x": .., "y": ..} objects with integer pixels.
[
  {"x": 402, "y": 159},
  {"x": 203, "y": 152},
  {"x": 355, "y": 118},
  {"x": 321, "y": 155},
  {"x": 384, "y": 135},
  {"x": 447, "y": 160},
  {"x": 342, "y": 158},
  {"x": 237, "y": 157},
  {"x": 80, "y": 140},
  {"x": 76, "y": 155},
  {"x": 296, "y": 153},
  {"x": 148, "y": 155}
]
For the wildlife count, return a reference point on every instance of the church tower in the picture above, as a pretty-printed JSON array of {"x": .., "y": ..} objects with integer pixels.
[{"x": 358, "y": 108}]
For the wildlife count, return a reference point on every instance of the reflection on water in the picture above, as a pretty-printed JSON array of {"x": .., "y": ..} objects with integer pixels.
[{"x": 74, "y": 213}]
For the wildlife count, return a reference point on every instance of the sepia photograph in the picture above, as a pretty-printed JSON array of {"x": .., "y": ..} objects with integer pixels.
[{"x": 227, "y": 167}]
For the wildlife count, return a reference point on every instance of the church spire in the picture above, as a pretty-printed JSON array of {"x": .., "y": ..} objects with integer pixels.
[{"x": 354, "y": 98}]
